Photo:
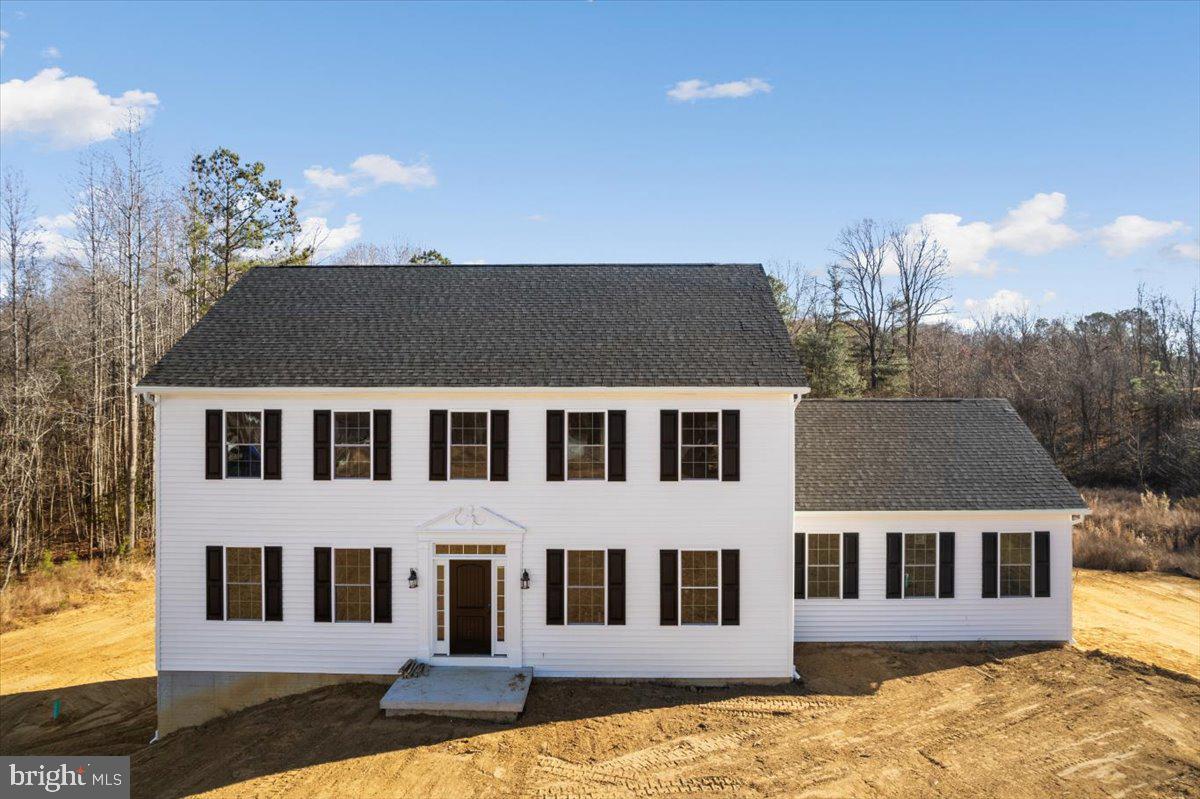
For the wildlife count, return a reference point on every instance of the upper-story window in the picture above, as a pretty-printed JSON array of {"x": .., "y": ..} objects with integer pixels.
[
  {"x": 700, "y": 445},
  {"x": 468, "y": 445},
  {"x": 352, "y": 444},
  {"x": 243, "y": 444},
  {"x": 585, "y": 445}
]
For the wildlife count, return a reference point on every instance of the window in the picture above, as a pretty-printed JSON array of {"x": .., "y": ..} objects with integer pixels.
[
  {"x": 700, "y": 450},
  {"x": 920, "y": 564},
  {"x": 699, "y": 592},
  {"x": 468, "y": 445},
  {"x": 499, "y": 602},
  {"x": 243, "y": 583},
  {"x": 352, "y": 585},
  {"x": 352, "y": 445},
  {"x": 585, "y": 586},
  {"x": 1016, "y": 564},
  {"x": 243, "y": 443},
  {"x": 824, "y": 565},
  {"x": 585, "y": 445}
]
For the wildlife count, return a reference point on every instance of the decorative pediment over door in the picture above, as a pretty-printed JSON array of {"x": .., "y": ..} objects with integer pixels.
[{"x": 472, "y": 520}]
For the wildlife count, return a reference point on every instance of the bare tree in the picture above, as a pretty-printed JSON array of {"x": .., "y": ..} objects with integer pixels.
[
  {"x": 870, "y": 308},
  {"x": 923, "y": 273},
  {"x": 20, "y": 244}
]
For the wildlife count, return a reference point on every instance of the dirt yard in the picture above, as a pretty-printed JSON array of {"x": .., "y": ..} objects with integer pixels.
[{"x": 868, "y": 720}]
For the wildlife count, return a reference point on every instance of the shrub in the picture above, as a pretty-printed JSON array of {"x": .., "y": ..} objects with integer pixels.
[
  {"x": 51, "y": 588},
  {"x": 1131, "y": 531}
]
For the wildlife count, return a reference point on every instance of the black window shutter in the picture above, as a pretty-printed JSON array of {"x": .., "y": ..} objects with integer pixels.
[
  {"x": 798, "y": 577},
  {"x": 668, "y": 586},
  {"x": 616, "y": 446},
  {"x": 991, "y": 543},
  {"x": 555, "y": 452},
  {"x": 554, "y": 586},
  {"x": 214, "y": 584},
  {"x": 1041, "y": 563},
  {"x": 438, "y": 452},
  {"x": 731, "y": 602},
  {"x": 383, "y": 584},
  {"x": 273, "y": 571},
  {"x": 895, "y": 568},
  {"x": 499, "y": 445},
  {"x": 213, "y": 446},
  {"x": 946, "y": 565},
  {"x": 381, "y": 442},
  {"x": 322, "y": 584},
  {"x": 730, "y": 445},
  {"x": 272, "y": 445},
  {"x": 616, "y": 586},
  {"x": 668, "y": 468},
  {"x": 849, "y": 565},
  {"x": 322, "y": 454}
]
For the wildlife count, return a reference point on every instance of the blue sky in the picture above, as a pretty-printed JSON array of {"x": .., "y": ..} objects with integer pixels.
[{"x": 1055, "y": 149}]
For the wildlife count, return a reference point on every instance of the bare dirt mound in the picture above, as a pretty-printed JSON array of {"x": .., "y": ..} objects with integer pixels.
[
  {"x": 1017, "y": 723},
  {"x": 98, "y": 660},
  {"x": 1154, "y": 618}
]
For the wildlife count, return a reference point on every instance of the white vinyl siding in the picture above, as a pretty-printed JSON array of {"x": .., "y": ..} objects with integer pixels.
[
  {"x": 965, "y": 617},
  {"x": 641, "y": 515}
]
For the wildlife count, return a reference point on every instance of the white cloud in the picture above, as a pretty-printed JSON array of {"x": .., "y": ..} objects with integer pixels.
[
  {"x": 1002, "y": 303},
  {"x": 326, "y": 178},
  {"x": 1033, "y": 228},
  {"x": 369, "y": 171},
  {"x": 52, "y": 236},
  {"x": 315, "y": 230},
  {"x": 70, "y": 111},
  {"x": 51, "y": 53},
  {"x": 3, "y": 36},
  {"x": 1132, "y": 232},
  {"x": 536, "y": 218},
  {"x": 479, "y": 262},
  {"x": 689, "y": 91},
  {"x": 1184, "y": 250},
  {"x": 1049, "y": 296}
]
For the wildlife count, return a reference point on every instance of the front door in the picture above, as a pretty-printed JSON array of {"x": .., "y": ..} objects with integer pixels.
[{"x": 470, "y": 607}]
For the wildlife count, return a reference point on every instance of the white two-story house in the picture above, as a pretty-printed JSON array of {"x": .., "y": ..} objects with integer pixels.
[{"x": 594, "y": 471}]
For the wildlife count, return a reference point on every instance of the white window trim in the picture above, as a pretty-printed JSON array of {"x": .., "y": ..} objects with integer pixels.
[
  {"x": 333, "y": 584},
  {"x": 937, "y": 564},
  {"x": 1000, "y": 564},
  {"x": 567, "y": 447},
  {"x": 333, "y": 445},
  {"x": 262, "y": 436},
  {"x": 841, "y": 553},
  {"x": 679, "y": 448},
  {"x": 567, "y": 589},
  {"x": 679, "y": 589},
  {"x": 487, "y": 415},
  {"x": 262, "y": 584}
]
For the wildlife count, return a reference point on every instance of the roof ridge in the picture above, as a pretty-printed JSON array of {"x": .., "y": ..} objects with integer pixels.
[
  {"x": 905, "y": 399},
  {"x": 650, "y": 265}
]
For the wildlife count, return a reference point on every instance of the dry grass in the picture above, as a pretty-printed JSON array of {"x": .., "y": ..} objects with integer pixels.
[
  {"x": 1131, "y": 532},
  {"x": 71, "y": 584}
]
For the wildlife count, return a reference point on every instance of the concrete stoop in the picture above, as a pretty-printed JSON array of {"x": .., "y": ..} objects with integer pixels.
[{"x": 468, "y": 692}]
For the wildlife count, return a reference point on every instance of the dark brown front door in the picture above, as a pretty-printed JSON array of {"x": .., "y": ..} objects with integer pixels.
[{"x": 470, "y": 607}]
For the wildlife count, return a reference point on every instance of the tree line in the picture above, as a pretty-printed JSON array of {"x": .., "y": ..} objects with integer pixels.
[{"x": 1112, "y": 395}]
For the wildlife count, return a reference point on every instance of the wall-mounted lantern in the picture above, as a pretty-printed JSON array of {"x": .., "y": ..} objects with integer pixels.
[
  {"x": 525, "y": 578},
  {"x": 412, "y": 578}
]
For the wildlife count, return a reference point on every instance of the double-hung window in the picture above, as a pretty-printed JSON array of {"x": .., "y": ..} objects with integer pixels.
[
  {"x": 468, "y": 445},
  {"x": 243, "y": 444},
  {"x": 243, "y": 583},
  {"x": 700, "y": 445},
  {"x": 352, "y": 585},
  {"x": 824, "y": 565},
  {"x": 1016, "y": 564},
  {"x": 585, "y": 586},
  {"x": 352, "y": 445},
  {"x": 585, "y": 445},
  {"x": 920, "y": 564},
  {"x": 699, "y": 586}
]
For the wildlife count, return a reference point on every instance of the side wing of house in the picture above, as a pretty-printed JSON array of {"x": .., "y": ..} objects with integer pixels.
[{"x": 938, "y": 520}]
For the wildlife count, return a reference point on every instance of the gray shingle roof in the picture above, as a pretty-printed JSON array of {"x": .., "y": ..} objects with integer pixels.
[
  {"x": 968, "y": 454},
  {"x": 536, "y": 325}
]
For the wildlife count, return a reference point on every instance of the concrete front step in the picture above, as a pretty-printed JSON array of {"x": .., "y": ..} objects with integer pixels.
[{"x": 469, "y": 692}]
